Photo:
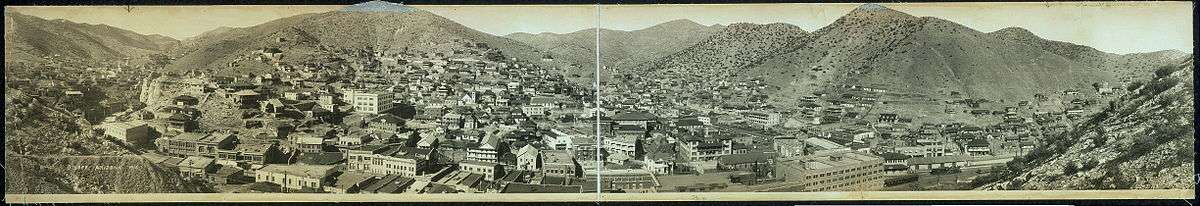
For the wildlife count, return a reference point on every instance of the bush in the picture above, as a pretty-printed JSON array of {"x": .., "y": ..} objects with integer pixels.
[
  {"x": 1164, "y": 71},
  {"x": 1158, "y": 86},
  {"x": 1134, "y": 86},
  {"x": 1070, "y": 169}
]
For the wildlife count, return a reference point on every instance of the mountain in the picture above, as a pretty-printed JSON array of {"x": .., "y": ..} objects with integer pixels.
[
  {"x": 1143, "y": 140},
  {"x": 367, "y": 27},
  {"x": 620, "y": 49},
  {"x": 731, "y": 50},
  {"x": 30, "y": 39},
  {"x": 924, "y": 57}
]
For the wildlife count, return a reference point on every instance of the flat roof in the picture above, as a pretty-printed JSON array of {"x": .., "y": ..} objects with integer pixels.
[{"x": 311, "y": 171}]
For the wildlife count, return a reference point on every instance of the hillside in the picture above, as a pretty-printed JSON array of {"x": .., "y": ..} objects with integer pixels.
[
  {"x": 40, "y": 126},
  {"x": 619, "y": 49},
  {"x": 91, "y": 175},
  {"x": 925, "y": 57},
  {"x": 1143, "y": 140},
  {"x": 31, "y": 39},
  {"x": 728, "y": 52},
  {"x": 310, "y": 38}
]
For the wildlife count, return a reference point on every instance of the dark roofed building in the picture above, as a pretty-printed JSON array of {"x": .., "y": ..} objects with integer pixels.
[{"x": 540, "y": 188}]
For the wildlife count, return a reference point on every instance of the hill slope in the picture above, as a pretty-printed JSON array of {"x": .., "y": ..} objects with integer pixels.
[
  {"x": 1144, "y": 140},
  {"x": 29, "y": 39},
  {"x": 620, "y": 49},
  {"x": 91, "y": 175},
  {"x": 882, "y": 48},
  {"x": 311, "y": 37}
]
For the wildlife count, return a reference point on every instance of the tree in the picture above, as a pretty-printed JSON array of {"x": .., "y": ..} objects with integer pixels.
[
  {"x": 413, "y": 138},
  {"x": 159, "y": 60}
]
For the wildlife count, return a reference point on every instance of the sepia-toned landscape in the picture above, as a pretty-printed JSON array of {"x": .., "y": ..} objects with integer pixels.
[{"x": 386, "y": 98}]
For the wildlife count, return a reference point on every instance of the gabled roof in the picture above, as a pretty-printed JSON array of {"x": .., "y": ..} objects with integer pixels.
[
  {"x": 527, "y": 150},
  {"x": 246, "y": 92},
  {"x": 388, "y": 118},
  {"x": 350, "y": 178}
]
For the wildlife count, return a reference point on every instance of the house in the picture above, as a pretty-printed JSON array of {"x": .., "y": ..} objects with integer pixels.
[
  {"x": 559, "y": 163},
  {"x": 251, "y": 152},
  {"x": 196, "y": 167},
  {"x": 226, "y": 174},
  {"x": 489, "y": 170},
  {"x": 307, "y": 142},
  {"x": 245, "y": 97},
  {"x": 895, "y": 163},
  {"x": 386, "y": 123},
  {"x": 528, "y": 158},
  {"x": 788, "y": 146},
  {"x": 762, "y": 164},
  {"x": 978, "y": 147},
  {"x": 358, "y": 138},
  {"x": 690, "y": 124},
  {"x": 561, "y": 139},
  {"x": 180, "y": 123},
  {"x": 296, "y": 178},
  {"x": 705, "y": 147},
  {"x": 185, "y": 101},
  {"x": 487, "y": 149},
  {"x": 635, "y": 118},
  {"x": 196, "y": 144},
  {"x": 888, "y": 117},
  {"x": 133, "y": 133}
]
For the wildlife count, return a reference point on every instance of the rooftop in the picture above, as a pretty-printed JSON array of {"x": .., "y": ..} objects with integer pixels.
[
  {"x": 540, "y": 188},
  {"x": 309, "y": 171}
]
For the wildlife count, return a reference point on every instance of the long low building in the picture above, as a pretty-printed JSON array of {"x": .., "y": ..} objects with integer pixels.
[
  {"x": 391, "y": 159},
  {"x": 843, "y": 171},
  {"x": 296, "y": 178}
]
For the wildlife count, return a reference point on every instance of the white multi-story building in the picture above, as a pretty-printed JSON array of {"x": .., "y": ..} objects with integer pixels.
[{"x": 370, "y": 102}]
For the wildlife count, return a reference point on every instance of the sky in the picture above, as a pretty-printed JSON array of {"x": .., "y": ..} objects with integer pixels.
[{"x": 1116, "y": 27}]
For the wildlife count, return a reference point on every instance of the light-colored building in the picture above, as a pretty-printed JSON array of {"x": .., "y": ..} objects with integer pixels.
[
  {"x": 701, "y": 147},
  {"x": 528, "y": 158},
  {"x": 839, "y": 171},
  {"x": 370, "y": 102},
  {"x": 196, "y": 144},
  {"x": 391, "y": 159},
  {"x": 559, "y": 163},
  {"x": 816, "y": 146},
  {"x": 135, "y": 133},
  {"x": 762, "y": 118},
  {"x": 788, "y": 146},
  {"x": 296, "y": 177},
  {"x": 489, "y": 170}
]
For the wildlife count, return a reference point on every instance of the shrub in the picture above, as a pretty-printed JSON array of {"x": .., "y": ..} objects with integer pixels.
[
  {"x": 1164, "y": 71},
  {"x": 1158, "y": 86},
  {"x": 1134, "y": 86},
  {"x": 1070, "y": 169}
]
